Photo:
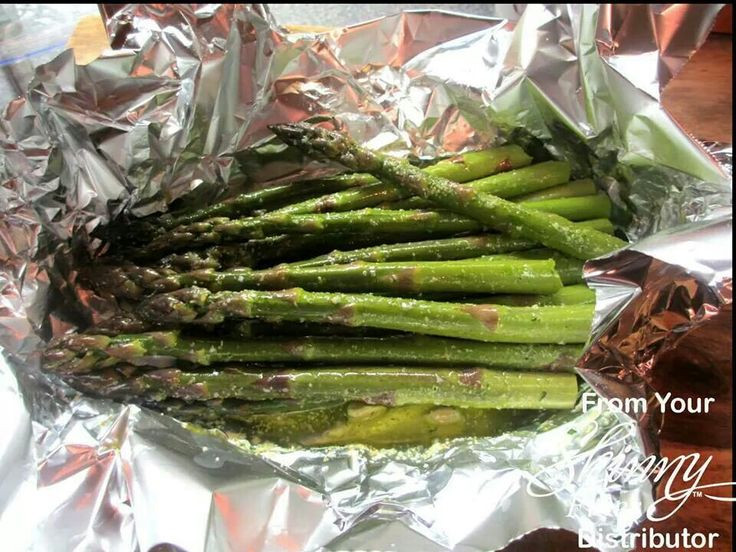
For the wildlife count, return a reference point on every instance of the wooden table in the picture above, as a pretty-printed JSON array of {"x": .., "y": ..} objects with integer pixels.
[{"x": 700, "y": 99}]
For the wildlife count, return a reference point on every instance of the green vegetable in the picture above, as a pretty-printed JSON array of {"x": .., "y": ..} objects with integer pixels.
[
  {"x": 82, "y": 353},
  {"x": 439, "y": 250},
  {"x": 550, "y": 230},
  {"x": 249, "y": 202},
  {"x": 374, "y": 221},
  {"x": 461, "y": 168},
  {"x": 324, "y": 424},
  {"x": 568, "y": 295},
  {"x": 391, "y": 386},
  {"x": 556, "y": 324},
  {"x": 575, "y": 188}
]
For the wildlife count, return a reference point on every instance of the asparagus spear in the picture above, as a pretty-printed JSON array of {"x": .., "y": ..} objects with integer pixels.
[
  {"x": 325, "y": 422},
  {"x": 374, "y": 221},
  {"x": 569, "y": 269},
  {"x": 266, "y": 198},
  {"x": 558, "y": 324},
  {"x": 504, "y": 184},
  {"x": 391, "y": 386},
  {"x": 576, "y": 188},
  {"x": 525, "y": 180},
  {"x": 281, "y": 421},
  {"x": 266, "y": 251},
  {"x": 331, "y": 422},
  {"x": 568, "y": 295},
  {"x": 124, "y": 280},
  {"x": 496, "y": 276},
  {"x": 345, "y": 423},
  {"x": 217, "y": 256},
  {"x": 130, "y": 281},
  {"x": 289, "y": 247},
  {"x": 381, "y": 426},
  {"x": 261, "y": 329},
  {"x": 438, "y": 250},
  {"x": 572, "y": 208},
  {"x": 81, "y": 353},
  {"x": 550, "y": 230},
  {"x": 286, "y": 248}
]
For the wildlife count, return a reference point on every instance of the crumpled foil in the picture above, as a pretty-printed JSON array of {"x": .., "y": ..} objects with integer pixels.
[{"x": 180, "y": 109}]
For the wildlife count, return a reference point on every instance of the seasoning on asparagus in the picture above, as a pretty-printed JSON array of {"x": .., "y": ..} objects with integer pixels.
[
  {"x": 550, "y": 230},
  {"x": 555, "y": 324},
  {"x": 391, "y": 386},
  {"x": 82, "y": 353}
]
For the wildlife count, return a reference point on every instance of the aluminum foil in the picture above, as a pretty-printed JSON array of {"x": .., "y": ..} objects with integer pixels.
[{"x": 180, "y": 108}]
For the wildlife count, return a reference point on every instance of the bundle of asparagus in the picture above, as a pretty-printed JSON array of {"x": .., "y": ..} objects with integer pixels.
[{"x": 453, "y": 305}]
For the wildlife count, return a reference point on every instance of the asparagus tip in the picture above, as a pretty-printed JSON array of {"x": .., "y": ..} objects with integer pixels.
[
  {"x": 317, "y": 140},
  {"x": 179, "y": 305}
]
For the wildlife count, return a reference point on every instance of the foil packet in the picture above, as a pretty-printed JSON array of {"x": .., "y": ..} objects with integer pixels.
[{"x": 179, "y": 109}]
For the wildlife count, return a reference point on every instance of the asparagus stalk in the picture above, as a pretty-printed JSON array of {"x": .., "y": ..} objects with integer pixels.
[
  {"x": 266, "y": 251},
  {"x": 373, "y": 221},
  {"x": 496, "y": 276},
  {"x": 568, "y": 295},
  {"x": 528, "y": 179},
  {"x": 438, "y": 250},
  {"x": 550, "y": 230},
  {"x": 78, "y": 354},
  {"x": 124, "y": 280},
  {"x": 130, "y": 281},
  {"x": 391, "y": 386},
  {"x": 557, "y": 324},
  {"x": 572, "y": 208},
  {"x": 503, "y": 184},
  {"x": 407, "y": 204},
  {"x": 381, "y": 426},
  {"x": 282, "y": 421},
  {"x": 346, "y": 423},
  {"x": 289, "y": 247},
  {"x": 569, "y": 269},
  {"x": 248, "y": 202},
  {"x": 217, "y": 256},
  {"x": 261, "y": 329},
  {"x": 576, "y": 188}
]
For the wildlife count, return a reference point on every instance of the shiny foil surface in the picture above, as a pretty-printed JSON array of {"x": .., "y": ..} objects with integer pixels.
[{"x": 179, "y": 108}]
